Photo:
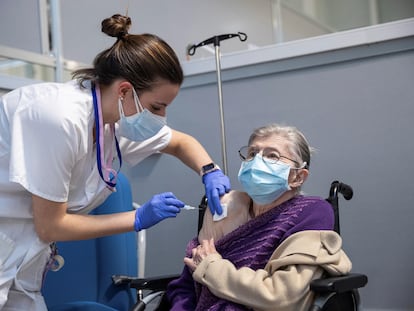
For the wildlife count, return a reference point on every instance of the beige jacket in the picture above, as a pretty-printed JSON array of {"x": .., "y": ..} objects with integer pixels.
[{"x": 283, "y": 285}]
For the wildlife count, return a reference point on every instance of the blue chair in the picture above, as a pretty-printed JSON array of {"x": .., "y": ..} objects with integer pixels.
[{"x": 85, "y": 281}]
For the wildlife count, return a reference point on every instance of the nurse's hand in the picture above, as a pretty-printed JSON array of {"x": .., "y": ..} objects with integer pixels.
[
  {"x": 161, "y": 206},
  {"x": 216, "y": 184}
]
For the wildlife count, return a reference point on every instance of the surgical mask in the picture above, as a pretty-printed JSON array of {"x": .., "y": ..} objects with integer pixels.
[
  {"x": 264, "y": 182},
  {"x": 140, "y": 126}
]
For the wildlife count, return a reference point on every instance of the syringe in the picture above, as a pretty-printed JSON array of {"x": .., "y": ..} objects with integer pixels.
[{"x": 189, "y": 207}]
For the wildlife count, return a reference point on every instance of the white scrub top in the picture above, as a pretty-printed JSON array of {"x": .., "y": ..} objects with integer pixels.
[{"x": 47, "y": 149}]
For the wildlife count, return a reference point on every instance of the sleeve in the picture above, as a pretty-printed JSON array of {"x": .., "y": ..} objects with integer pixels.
[
  {"x": 134, "y": 152},
  {"x": 181, "y": 292},
  {"x": 43, "y": 151},
  {"x": 287, "y": 286}
]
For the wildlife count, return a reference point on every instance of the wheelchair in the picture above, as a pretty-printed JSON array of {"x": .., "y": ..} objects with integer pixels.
[{"x": 339, "y": 293}]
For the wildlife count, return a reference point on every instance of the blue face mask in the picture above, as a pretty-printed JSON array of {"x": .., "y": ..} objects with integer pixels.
[
  {"x": 140, "y": 126},
  {"x": 264, "y": 182}
]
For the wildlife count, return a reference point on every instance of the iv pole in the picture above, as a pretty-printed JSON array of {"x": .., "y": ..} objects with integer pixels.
[{"x": 216, "y": 41}]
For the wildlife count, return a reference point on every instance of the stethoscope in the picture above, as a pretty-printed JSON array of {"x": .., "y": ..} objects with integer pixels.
[{"x": 107, "y": 173}]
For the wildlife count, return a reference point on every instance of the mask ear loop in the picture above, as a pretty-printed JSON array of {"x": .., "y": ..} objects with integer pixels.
[
  {"x": 120, "y": 107},
  {"x": 137, "y": 102}
]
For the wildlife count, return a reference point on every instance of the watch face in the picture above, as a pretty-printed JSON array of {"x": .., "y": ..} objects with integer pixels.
[{"x": 208, "y": 167}]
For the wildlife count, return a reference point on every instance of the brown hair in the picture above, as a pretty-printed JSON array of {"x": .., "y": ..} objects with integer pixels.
[{"x": 140, "y": 59}]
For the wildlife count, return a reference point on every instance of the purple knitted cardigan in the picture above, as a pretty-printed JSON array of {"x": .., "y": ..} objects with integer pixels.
[{"x": 251, "y": 245}]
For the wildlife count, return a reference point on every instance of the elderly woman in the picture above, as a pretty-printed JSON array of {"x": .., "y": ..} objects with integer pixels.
[{"x": 274, "y": 240}]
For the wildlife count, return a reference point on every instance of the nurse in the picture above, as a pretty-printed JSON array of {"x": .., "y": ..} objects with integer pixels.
[{"x": 58, "y": 143}]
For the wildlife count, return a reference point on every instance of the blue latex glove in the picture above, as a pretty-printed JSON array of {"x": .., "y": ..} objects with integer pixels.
[
  {"x": 216, "y": 185},
  {"x": 161, "y": 206}
]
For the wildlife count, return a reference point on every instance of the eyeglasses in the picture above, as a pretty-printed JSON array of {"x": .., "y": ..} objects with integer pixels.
[{"x": 269, "y": 155}]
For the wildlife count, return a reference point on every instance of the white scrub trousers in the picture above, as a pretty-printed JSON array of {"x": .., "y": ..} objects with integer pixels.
[{"x": 23, "y": 258}]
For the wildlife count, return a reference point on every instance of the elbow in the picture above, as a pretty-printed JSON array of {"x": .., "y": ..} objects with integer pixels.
[{"x": 45, "y": 234}]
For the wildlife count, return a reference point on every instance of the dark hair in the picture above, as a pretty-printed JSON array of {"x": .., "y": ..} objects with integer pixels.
[{"x": 140, "y": 59}]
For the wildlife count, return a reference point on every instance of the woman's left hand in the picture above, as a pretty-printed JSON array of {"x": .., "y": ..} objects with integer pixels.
[{"x": 199, "y": 253}]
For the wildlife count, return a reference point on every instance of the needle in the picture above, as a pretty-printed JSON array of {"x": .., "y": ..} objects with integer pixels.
[{"x": 189, "y": 207}]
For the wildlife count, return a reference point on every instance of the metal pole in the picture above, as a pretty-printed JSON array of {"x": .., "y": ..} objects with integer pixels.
[
  {"x": 57, "y": 38},
  {"x": 44, "y": 27},
  {"x": 277, "y": 21},
  {"x": 220, "y": 95},
  {"x": 216, "y": 41}
]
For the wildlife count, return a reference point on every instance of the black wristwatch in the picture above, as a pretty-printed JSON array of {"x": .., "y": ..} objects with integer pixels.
[{"x": 209, "y": 168}]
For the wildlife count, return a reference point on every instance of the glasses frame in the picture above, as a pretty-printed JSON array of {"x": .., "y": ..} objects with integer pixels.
[{"x": 243, "y": 158}]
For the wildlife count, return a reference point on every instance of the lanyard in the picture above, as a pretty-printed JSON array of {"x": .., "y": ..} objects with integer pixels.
[{"x": 108, "y": 174}]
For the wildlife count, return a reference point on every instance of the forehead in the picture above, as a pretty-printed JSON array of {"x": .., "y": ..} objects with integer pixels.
[
  {"x": 272, "y": 141},
  {"x": 163, "y": 93}
]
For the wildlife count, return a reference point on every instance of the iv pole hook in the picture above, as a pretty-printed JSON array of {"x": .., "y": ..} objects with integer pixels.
[{"x": 216, "y": 41}]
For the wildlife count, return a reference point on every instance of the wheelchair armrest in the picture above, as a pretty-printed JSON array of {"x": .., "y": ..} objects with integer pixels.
[
  {"x": 339, "y": 284},
  {"x": 152, "y": 283}
]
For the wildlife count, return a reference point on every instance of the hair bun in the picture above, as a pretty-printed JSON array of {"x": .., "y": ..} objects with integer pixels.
[{"x": 116, "y": 26}]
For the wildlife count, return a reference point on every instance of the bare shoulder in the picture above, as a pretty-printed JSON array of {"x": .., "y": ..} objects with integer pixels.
[
  {"x": 237, "y": 204},
  {"x": 236, "y": 201}
]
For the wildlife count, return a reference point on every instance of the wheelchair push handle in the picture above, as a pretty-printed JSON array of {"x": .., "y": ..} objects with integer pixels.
[{"x": 339, "y": 187}]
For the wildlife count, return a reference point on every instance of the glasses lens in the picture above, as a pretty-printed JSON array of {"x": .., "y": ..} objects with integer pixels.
[
  {"x": 247, "y": 153},
  {"x": 269, "y": 155}
]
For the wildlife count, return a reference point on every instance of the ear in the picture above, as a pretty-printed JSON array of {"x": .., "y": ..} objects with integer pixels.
[
  {"x": 300, "y": 177},
  {"x": 124, "y": 87}
]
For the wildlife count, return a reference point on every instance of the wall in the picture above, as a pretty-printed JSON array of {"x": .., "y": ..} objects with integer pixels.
[{"x": 355, "y": 106}]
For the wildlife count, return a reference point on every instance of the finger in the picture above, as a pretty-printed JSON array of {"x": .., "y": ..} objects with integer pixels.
[
  {"x": 167, "y": 195},
  {"x": 172, "y": 212},
  {"x": 190, "y": 263},
  {"x": 205, "y": 243},
  {"x": 227, "y": 187},
  {"x": 220, "y": 189},
  {"x": 173, "y": 201},
  {"x": 214, "y": 202},
  {"x": 208, "y": 247},
  {"x": 194, "y": 252}
]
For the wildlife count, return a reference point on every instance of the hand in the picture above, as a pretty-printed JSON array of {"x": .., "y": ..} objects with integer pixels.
[
  {"x": 161, "y": 206},
  {"x": 216, "y": 185},
  {"x": 199, "y": 253}
]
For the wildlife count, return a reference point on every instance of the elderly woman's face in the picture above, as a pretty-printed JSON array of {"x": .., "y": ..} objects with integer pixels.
[
  {"x": 266, "y": 172},
  {"x": 273, "y": 148}
]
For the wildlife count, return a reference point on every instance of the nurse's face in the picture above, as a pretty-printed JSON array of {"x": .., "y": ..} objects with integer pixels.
[{"x": 155, "y": 100}]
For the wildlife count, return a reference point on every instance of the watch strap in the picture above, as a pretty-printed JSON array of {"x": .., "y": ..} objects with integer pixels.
[{"x": 209, "y": 168}]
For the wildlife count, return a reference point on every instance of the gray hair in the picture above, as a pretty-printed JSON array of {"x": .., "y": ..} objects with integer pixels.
[{"x": 298, "y": 145}]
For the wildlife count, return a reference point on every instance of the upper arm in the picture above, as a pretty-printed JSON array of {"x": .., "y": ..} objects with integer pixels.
[
  {"x": 47, "y": 216},
  {"x": 237, "y": 203},
  {"x": 177, "y": 141},
  {"x": 188, "y": 149}
]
